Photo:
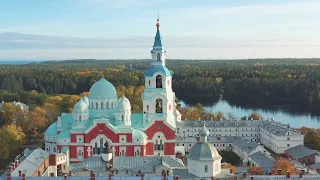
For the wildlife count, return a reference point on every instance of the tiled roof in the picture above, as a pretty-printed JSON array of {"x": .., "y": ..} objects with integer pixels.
[
  {"x": 264, "y": 161},
  {"x": 277, "y": 128},
  {"x": 283, "y": 177},
  {"x": 32, "y": 162},
  {"x": 245, "y": 145},
  {"x": 219, "y": 123},
  {"x": 144, "y": 163},
  {"x": 299, "y": 151},
  {"x": 92, "y": 163},
  {"x": 315, "y": 166}
]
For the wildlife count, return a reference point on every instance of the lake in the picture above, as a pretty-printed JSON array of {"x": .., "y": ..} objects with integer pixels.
[{"x": 278, "y": 114}]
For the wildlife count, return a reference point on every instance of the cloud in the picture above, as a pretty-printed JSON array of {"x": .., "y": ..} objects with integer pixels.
[
  {"x": 261, "y": 9},
  {"x": 35, "y": 47},
  {"x": 127, "y": 3}
]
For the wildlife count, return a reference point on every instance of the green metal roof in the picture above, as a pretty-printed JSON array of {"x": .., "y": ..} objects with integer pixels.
[
  {"x": 64, "y": 134},
  {"x": 203, "y": 151},
  {"x": 137, "y": 120},
  {"x": 52, "y": 130},
  {"x": 138, "y": 134}
]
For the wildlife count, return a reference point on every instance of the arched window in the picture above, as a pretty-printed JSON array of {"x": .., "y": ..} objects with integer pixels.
[
  {"x": 159, "y": 81},
  {"x": 156, "y": 145},
  {"x": 107, "y": 105},
  {"x": 101, "y": 146},
  {"x": 122, "y": 153},
  {"x": 96, "y": 105},
  {"x": 122, "y": 117},
  {"x": 91, "y": 104},
  {"x": 138, "y": 152},
  {"x": 101, "y": 105},
  {"x": 80, "y": 118},
  {"x": 159, "y": 106},
  {"x": 161, "y": 145},
  {"x": 206, "y": 168},
  {"x": 111, "y": 105},
  {"x": 95, "y": 149},
  {"x": 158, "y": 57}
]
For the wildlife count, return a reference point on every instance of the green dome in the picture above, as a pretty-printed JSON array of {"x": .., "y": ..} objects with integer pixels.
[
  {"x": 203, "y": 151},
  {"x": 52, "y": 130},
  {"x": 103, "y": 89}
]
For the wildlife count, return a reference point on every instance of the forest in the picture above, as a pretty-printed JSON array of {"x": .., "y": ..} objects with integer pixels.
[
  {"x": 293, "y": 83},
  {"x": 52, "y": 87}
]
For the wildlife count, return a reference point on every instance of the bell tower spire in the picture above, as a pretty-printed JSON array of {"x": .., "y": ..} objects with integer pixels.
[{"x": 158, "y": 52}]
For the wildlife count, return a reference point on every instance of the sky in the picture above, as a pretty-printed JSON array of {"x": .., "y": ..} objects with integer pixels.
[{"x": 125, "y": 29}]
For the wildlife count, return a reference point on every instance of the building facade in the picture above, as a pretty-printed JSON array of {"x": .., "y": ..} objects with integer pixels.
[
  {"x": 273, "y": 135},
  {"x": 103, "y": 122}
]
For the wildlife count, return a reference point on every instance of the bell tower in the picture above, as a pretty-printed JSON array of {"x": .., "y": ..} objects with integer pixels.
[
  {"x": 158, "y": 52},
  {"x": 158, "y": 97}
]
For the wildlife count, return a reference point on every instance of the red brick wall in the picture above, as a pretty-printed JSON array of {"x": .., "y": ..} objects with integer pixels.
[
  {"x": 168, "y": 133},
  {"x": 169, "y": 148},
  {"x": 308, "y": 159}
]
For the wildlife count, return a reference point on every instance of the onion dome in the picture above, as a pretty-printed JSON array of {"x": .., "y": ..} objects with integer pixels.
[
  {"x": 123, "y": 104},
  {"x": 80, "y": 106},
  {"x": 204, "y": 131},
  {"x": 85, "y": 99},
  {"x": 103, "y": 89},
  {"x": 203, "y": 150}
]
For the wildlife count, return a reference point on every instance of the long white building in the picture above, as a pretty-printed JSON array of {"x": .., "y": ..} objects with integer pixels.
[{"x": 273, "y": 135}]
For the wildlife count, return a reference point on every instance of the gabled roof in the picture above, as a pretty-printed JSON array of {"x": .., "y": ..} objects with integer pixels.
[
  {"x": 299, "y": 152},
  {"x": 32, "y": 162},
  {"x": 145, "y": 164},
  {"x": 315, "y": 166},
  {"x": 262, "y": 160},
  {"x": 245, "y": 145}
]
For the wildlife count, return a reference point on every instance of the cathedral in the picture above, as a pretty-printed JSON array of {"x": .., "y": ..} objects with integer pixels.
[{"x": 103, "y": 123}]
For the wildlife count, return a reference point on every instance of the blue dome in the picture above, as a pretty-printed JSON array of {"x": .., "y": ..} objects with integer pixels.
[
  {"x": 150, "y": 72},
  {"x": 80, "y": 106},
  {"x": 103, "y": 89}
]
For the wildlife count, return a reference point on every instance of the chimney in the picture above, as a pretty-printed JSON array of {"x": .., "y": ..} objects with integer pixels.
[
  {"x": 176, "y": 177},
  {"x": 230, "y": 171},
  {"x": 9, "y": 176},
  {"x": 10, "y": 168},
  {"x": 16, "y": 163},
  {"x": 110, "y": 176},
  {"x": 244, "y": 175},
  {"x": 65, "y": 177},
  {"x": 300, "y": 175},
  {"x": 251, "y": 177},
  {"x": 164, "y": 176},
  {"x": 24, "y": 176},
  {"x": 288, "y": 174},
  {"x": 93, "y": 176},
  {"x": 13, "y": 165},
  {"x": 279, "y": 171},
  {"x": 198, "y": 139},
  {"x": 20, "y": 172}
]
